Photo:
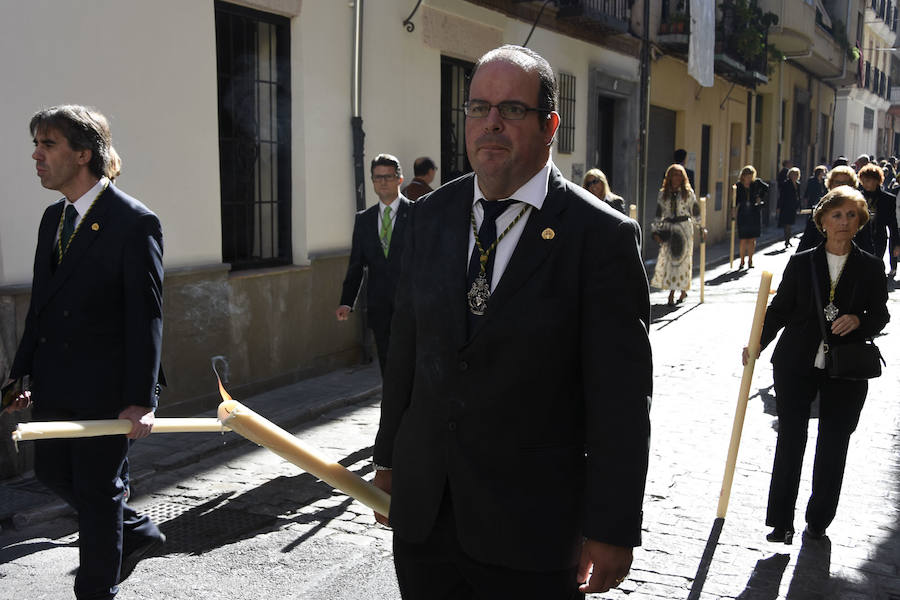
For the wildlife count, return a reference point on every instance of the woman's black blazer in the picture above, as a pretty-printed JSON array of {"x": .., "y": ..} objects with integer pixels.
[{"x": 861, "y": 291}]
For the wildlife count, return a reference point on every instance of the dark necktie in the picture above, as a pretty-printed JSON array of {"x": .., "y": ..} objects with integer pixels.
[
  {"x": 487, "y": 233},
  {"x": 67, "y": 229}
]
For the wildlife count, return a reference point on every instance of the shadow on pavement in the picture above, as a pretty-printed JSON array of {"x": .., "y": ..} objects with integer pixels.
[
  {"x": 659, "y": 312},
  {"x": 228, "y": 519},
  {"x": 706, "y": 559},
  {"x": 727, "y": 277},
  {"x": 811, "y": 576},
  {"x": 19, "y": 549},
  {"x": 765, "y": 579},
  {"x": 776, "y": 252}
]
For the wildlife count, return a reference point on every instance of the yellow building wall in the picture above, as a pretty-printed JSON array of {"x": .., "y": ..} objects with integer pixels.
[
  {"x": 783, "y": 83},
  {"x": 724, "y": 108}
]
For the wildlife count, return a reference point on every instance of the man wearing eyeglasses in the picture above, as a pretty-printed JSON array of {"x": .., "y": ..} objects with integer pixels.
[
  {"x": 378, "y": 249},
  {"x": 514, "y": 425}
]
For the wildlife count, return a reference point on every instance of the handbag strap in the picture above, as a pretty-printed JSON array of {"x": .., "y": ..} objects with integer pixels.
[{"x": 819, "y": 310}]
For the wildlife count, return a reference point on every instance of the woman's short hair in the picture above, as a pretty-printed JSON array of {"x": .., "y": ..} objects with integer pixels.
[
  {"x": 872, "y": 171},
  {"x": 793, "y": 170},
  {"x": 844, "y": 171},
  {"x": 820, "y": 169},
  {"x": 748, "y": 170},
  {"x": 837, "y": 197}
]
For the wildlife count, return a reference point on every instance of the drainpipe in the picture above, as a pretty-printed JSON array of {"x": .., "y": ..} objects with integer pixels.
[
  {"x": 359, "y": 135},
  {"x": 644, "y": 123},
  {"x": 359, "y": 171}
]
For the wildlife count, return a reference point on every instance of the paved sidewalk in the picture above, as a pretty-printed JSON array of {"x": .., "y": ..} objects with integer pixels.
[{"x": 26, "y": 502}]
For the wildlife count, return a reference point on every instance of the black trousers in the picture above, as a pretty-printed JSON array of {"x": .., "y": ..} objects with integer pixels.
[
  {"x": 86, "y": 473},
  {"x": 438, "y": 569},
  {"x": 380, "y": 324},
  {"x": 880, "y": 238},
  {"x": 841, "y": 402}
]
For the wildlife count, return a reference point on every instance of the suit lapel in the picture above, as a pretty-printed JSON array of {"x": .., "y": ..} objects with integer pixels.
[
  {"x": 454, "y": 248},
  {"x": 531, "y": 250},
  {"x": 91, "y": 227},
  {"x": 399, "y": 226}
]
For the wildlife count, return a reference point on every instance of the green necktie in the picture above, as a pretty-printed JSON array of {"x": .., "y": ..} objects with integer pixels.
[
  {"x": 67, "y": 229},
  {"x": 386, "y": 229}
]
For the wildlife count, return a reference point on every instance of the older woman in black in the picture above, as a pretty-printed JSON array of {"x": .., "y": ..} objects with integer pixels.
[
  {"x": 788, "y": 203},
  {"x": 854, "y": 282}
]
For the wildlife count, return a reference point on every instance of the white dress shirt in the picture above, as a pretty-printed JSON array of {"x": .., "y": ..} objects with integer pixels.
[
  {"x": 532, "y": 194},
  {"x": 84, "y": 202},
  {"x": 835, "y": 266}
]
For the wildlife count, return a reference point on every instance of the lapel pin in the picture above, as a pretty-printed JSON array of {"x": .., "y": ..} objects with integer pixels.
[
  {"x": 95, "y": 227},
  {"x": 548, "y": 234}
]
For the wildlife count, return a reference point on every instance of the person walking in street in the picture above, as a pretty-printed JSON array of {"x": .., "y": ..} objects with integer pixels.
[
  {"x": 788, "y": 203},
  {"x": 677, "y": 210},
  {"x": 424, "y": 171},
  {"x": 883, "y": 211},
  {"x": 812, "y": 237},
  {"x": 95, "y": 316},
  {"x": 507, "y": 410},
  {"x": 377, "y": 249},
  {"x": 752, "y": 195},
  {"x": 815, "y": 187},
  {"x": 854, "y": 284},
  {"x": 595, "y": 182},
  {"x": 679, "y": 157}
]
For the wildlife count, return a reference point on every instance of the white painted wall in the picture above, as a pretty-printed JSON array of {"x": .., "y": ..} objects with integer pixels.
[{"x": 150, "y": 68}]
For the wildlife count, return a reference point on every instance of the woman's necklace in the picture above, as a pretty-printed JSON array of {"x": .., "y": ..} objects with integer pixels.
[
  {"x": 62, "y": 248},
  {"x": 831, "y": 311},
  {"x": 480, "y": 291}
]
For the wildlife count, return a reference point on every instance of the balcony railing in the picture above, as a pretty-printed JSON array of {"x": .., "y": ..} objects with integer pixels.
[{"x": 606, "y": 14}]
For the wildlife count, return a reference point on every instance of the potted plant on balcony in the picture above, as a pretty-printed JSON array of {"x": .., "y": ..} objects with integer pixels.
[{"x": 746, "y": 27}]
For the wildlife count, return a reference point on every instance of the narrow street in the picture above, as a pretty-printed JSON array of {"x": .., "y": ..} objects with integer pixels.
[{"x": 242, "y": 523}]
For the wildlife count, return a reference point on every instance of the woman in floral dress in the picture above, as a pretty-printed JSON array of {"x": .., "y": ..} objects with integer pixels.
[{"x": 677, "y": 210}]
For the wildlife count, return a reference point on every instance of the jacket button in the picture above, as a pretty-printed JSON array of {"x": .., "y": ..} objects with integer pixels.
[
  {"x": 451, "y": 425},
  {"x": 66, "y": 313},
  {"x": 43, "y": 340},
  {"x": 463, "y": 365}
]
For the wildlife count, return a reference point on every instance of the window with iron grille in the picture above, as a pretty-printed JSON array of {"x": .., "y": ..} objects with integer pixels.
[
  {"x": 455, "y": 75},
  {"x": 566, "y": 133},
  {"x": 253, "y": 68}
]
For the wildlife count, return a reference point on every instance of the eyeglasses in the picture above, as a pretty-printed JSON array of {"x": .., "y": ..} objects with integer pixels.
[
  {"x": 383, "y": 177},
  {"x": 509, "y": 110}
]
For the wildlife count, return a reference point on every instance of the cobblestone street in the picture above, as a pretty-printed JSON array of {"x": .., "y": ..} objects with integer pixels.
[{"x": 243, "y": 523}]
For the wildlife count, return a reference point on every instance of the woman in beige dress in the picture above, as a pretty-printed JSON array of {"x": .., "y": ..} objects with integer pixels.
[{"x": 677, "y": 211}]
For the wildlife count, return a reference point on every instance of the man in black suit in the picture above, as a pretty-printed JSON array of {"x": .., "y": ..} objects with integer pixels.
[
  {"x": 679, "y": 157},
  {"x": 378, "y": 250},
  {"x": 515, "y": 418},
  {"x": 92, "y": 339}
]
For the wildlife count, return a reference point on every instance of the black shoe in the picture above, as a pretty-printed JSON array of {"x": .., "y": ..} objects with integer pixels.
[
  {"x": 780, "y": 535},
  {"x": 130, "y": 561},
  {"x": 813, "y": 532}
]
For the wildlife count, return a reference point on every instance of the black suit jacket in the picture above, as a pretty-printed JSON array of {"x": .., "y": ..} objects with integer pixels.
[
  {"x": 93, "y": 334},
  {"x": 367, "y": 254},
  {"x": 861, "y": 291},
  {"x": 539, "y": 419}
]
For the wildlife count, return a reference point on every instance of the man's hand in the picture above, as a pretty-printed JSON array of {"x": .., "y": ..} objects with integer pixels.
[
  {"x": 342, "y": 312},
  {"x": 21, "y": 402},
  {"x": 610, "y": 566},
  {"x": 383, "y": 481},
  {"x": 141, "y": 418}
]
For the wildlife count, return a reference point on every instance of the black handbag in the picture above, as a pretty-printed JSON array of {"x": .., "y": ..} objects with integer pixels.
[{"x": 854, "y": 360}]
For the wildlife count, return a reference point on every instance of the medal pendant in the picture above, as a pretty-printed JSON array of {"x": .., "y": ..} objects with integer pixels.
[
  {"x": 831, "y": 312},
  {"x": 478, "y": 295}
]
